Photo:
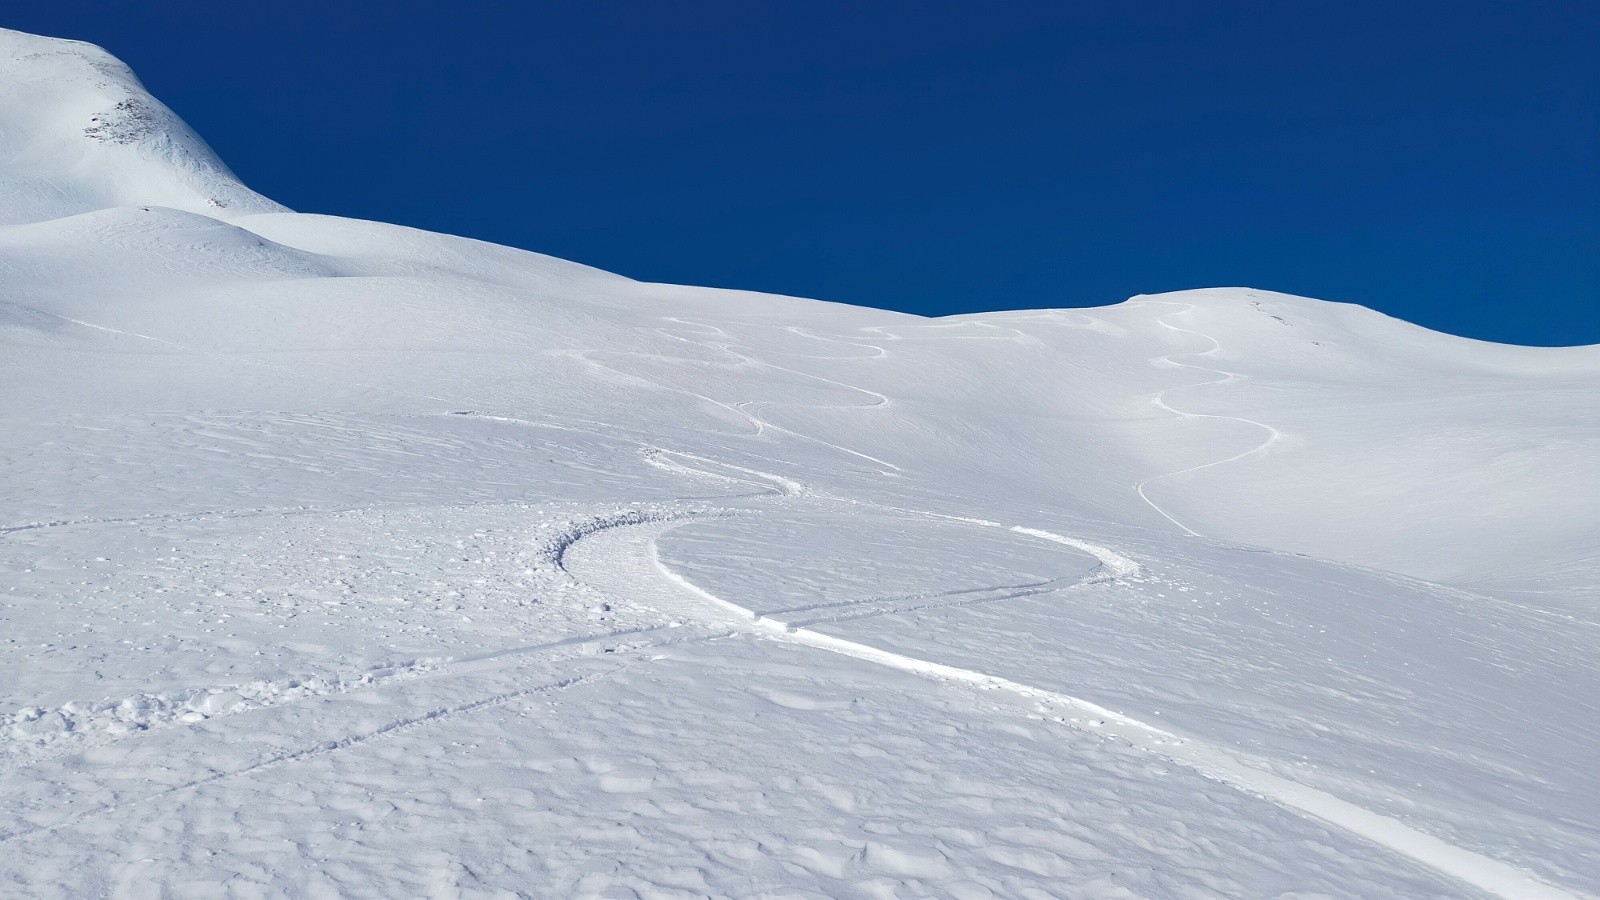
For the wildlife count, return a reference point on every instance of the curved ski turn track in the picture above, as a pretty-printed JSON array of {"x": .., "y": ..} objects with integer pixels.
[
  {"x": 1273, "y": 435},
  {"x": 622, "y": 559}
]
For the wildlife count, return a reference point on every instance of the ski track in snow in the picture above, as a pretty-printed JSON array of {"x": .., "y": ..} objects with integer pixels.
[
  {"x": 934, "y": 601},
  {"x": 631, "y": 547},
  {"x": 322, "y": 748},
  {"x": 34, "y": 734},
  {"x": 231, "y": 358},
  {"x": 760, "y": 425},
  {"x": 765, "y": 483},
  {"x": 213, "y": 515},
  {"x": 1273, "y": 435},
  {"x": 883, "y": 606}
]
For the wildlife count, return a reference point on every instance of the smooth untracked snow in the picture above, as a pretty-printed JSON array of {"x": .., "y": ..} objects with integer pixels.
[{"x": 338, "y": 558}]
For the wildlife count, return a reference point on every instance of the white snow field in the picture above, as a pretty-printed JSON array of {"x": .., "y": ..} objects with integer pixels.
[{"x": 343, "y": 559}]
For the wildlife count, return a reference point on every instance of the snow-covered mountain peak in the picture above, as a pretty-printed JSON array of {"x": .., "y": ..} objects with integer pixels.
[{"x": 78, "y": 132}]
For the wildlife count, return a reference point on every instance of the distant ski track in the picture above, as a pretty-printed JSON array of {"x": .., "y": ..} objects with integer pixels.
[
  {"x": 767, "y": 483},
  {"x": 878, "y": 398},
  {"x": 1273, "y": 435},
  {"x": 743, "y": 408},
  {"x": 232, "y": 358},
  {"x": 877, "y": 351}
]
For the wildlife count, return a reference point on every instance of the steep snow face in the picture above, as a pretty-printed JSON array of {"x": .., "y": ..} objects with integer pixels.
[
  {"x": 78, "y": 132},
  {"x": 343, "y": 558}
]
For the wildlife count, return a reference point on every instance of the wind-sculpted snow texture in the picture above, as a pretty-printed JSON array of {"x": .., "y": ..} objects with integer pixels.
[{"x": 338, "y": 558}]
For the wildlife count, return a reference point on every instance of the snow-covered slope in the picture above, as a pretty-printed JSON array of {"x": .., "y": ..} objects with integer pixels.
[
  {"x": 342, "y": 558},
  {"x": 78, "y": 132}
]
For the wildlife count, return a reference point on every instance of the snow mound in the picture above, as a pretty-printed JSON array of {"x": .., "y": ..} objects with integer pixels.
[{"x": 78, "y": 132}]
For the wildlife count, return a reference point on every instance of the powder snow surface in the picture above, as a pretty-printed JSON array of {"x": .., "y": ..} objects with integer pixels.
[{"x": 343, "y": 559}]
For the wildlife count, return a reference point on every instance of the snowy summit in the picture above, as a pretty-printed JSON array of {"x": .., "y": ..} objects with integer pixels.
[{"x": 343, "y": 559}]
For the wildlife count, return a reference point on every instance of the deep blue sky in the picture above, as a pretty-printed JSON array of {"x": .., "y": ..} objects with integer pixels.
[{"x": 1439, "y": 161}]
